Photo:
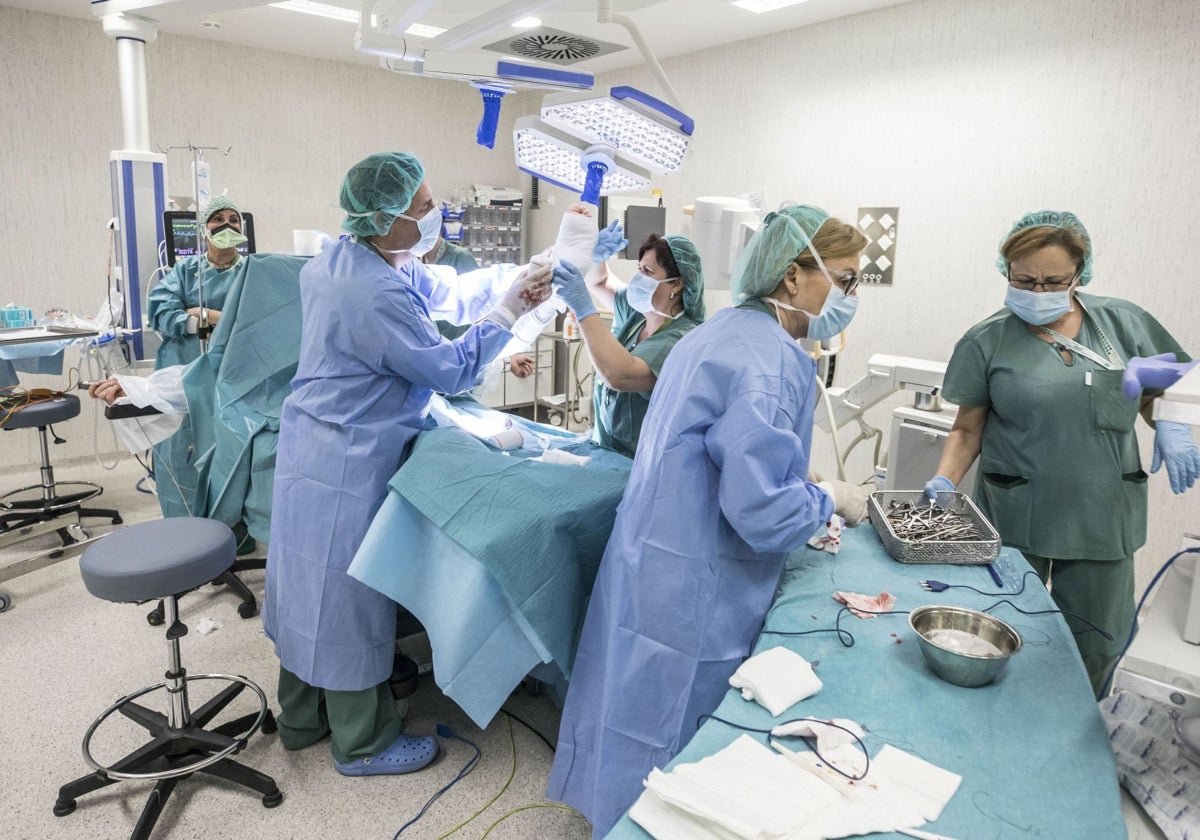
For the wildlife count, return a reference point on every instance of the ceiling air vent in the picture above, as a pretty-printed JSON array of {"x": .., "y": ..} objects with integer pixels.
[{"x": 553, "y": 46}]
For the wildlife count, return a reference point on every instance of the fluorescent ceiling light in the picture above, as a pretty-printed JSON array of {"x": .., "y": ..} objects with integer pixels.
[
  {"x": 527, "y": 23},
  {"x": 308, "y": 7},
  {"x": 420, "y": 30},
  {"x": 760, "y": 6}
]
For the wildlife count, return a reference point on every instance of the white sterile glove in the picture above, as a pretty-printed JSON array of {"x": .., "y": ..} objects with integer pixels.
[
  {"x": 849, "y": 500},
  {"x": 531, "y": 287}
]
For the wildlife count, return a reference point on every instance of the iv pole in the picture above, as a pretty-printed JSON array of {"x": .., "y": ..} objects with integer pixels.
[{"x": 203, "y": 329}]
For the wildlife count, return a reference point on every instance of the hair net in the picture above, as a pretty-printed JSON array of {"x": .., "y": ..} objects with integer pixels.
[
  {"x": 221, "y": 202},
  {"x": 1052, "y": 218},
  {"x": 377, "y": 189},
  {"x": 688, "y": 259},
  {"x": 783, "y": 235}
]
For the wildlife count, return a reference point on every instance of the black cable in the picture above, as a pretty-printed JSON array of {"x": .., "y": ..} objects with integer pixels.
[
  {"x": 843, "y": 635},
  {"x": 446, "y": 732},
  {"x": 811, "y": 747},
  {"x": 530, "y": 727}
]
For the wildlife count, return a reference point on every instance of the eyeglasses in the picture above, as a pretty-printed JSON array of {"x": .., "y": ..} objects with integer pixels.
[
  {"x": 847, "y": 281},
  {"x": 1050, "y": 284}
]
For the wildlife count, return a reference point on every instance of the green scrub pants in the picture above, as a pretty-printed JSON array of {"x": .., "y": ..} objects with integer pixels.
[
  {"x": 361, "y": 723},
  {"x": 1100, "y": 591}
]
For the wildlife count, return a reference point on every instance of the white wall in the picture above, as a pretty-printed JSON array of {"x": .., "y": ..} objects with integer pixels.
[
  {"x": 295, "y": 126},
  {"x": 964, "y": 114}
]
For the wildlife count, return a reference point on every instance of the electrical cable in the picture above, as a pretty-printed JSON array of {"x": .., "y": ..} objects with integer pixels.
[
  {"x": 805, "y": 738},
  {"x": 532, "y": 807},
  {"x": 528, "y": 726},
  {"x": 445, "y": 731},
  {"x": 1133, "y": 628},
  {"x": 512, "y": 772},
  {"x": 837, "y": 449}
]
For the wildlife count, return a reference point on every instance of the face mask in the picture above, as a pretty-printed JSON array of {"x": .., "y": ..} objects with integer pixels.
[
  {"x": 225, "y": 236},
  {"x": 836, "y": 314},
  {"x": 1038, "y": 308},
  {"x": 640, "y": 294},
  {"x": 430, "y": 226}
]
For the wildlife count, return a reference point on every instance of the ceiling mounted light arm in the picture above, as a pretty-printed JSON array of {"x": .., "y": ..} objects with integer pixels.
[{"x": 604, "y": 14}]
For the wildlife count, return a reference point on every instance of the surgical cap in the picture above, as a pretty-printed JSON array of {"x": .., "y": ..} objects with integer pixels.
[
  {"x": 381, "y": 186},
  {"x": 688, "y": 259},
  {"x": 1057, "y": 219},
  {"x": 783, "y": 235},
  {"x": 219, "y": 203}
]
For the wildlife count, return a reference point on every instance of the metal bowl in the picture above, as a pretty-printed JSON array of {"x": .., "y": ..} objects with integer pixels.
[{"x": 962, "y": 646}]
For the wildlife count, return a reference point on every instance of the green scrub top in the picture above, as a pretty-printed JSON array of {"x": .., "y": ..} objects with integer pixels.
[
  {"x": 619, "y": 414},
  {"x": 177, "y": 291},
  {"x": 1059, "y": 474}
]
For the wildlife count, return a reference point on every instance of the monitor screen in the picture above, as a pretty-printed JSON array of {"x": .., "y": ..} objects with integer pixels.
[{"x": 179, "y": 227}]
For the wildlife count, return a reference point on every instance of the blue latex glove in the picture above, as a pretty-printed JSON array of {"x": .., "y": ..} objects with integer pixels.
[
  {"x": 1173, "y": 445},
  {"x": 568, "y": 282},
  {"x": 1158, "y": 372},
  {"x": 612, "y": 239},
  {"x": 938, "y": 484}
]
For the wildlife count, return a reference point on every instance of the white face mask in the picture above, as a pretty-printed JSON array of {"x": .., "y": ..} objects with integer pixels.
[{"x": 430, "y": 227}]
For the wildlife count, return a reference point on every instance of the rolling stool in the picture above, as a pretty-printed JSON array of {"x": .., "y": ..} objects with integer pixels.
[
  {"x": 164, "y": 558},
  {"x": 18, "y": 516},
  {"x": 248, "y": 608}
]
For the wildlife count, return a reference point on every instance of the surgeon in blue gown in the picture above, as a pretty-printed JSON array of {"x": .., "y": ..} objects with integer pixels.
[
  {"x": 717, "y": 497},
  {"x": 370, "y": 358}
]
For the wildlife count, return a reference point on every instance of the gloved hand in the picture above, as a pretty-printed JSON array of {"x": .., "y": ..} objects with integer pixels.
[
  {"x": 531, "y": 287},
  {"x": 849, "y": 500},
  {"x": 938, "y": 484},
  {"x": 1159, "y": 372},
  {"x": 1173, "y": 445},
  {"x": 612, "y": 239},
  {"x": 569, "y": 284}
]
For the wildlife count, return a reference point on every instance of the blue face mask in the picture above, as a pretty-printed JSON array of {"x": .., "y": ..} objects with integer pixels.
[
  {"x": 836, "y": 314},
  {"x": 430, "y": 226},
  {"x": 1038, "y": 308}
]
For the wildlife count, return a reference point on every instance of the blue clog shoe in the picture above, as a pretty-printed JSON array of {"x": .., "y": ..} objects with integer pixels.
[{"x": 405, "y": 755}]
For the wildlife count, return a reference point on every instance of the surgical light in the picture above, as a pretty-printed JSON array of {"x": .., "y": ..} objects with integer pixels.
[
  {"x": 645, "y": 130},
  {"x": 575, "y": 164}
]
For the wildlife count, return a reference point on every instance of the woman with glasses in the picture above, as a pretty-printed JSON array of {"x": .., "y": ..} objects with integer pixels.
[
  {"x": 1038, "y": 385},
  {"x": 717, "y": 497}
]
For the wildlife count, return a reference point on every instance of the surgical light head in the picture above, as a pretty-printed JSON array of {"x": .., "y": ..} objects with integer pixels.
[
  {"x": 598, "y": 144},
  {"x": 377, "y": 189},
  {"x": 572, "y": 163}
]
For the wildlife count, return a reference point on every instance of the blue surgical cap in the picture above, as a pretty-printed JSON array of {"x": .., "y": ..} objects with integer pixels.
[
  {"x": 221, "y": 202},
  {"x": 377, "y": 189},
  {"x": 688, "y": 259},
  {"x": 1056, "y": 219},
  {"x": 783, "y": 235}
]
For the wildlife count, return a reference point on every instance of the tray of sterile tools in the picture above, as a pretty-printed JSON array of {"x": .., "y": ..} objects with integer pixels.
[{"x": 915, "y": 529}]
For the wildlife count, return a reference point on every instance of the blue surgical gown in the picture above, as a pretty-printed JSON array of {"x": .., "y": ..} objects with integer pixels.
[
  {"x": 716, "y": 499},
  {"x": 169, "y": 300},
  {"x": 370, "y": 358}
]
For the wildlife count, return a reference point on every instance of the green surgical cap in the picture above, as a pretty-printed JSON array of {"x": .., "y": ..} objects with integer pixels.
[
  {"x": 219, "y": 203},
  {"x": 377, "y": 189},
  {"x": 688, "y": 259},
  {"x": 1056, "y": 219},
  {"x": 783, "y": 235}
]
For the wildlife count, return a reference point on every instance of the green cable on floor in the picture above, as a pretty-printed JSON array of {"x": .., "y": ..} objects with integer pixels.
[{"x": 527, "y": 808}]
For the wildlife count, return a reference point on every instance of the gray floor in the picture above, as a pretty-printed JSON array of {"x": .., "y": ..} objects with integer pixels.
[{"x": 67, "y": 656}]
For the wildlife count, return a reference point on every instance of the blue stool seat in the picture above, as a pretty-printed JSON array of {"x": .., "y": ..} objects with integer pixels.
[
  {"x": 44, "y": 413},
  {"x": 157, "y": 559}
]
